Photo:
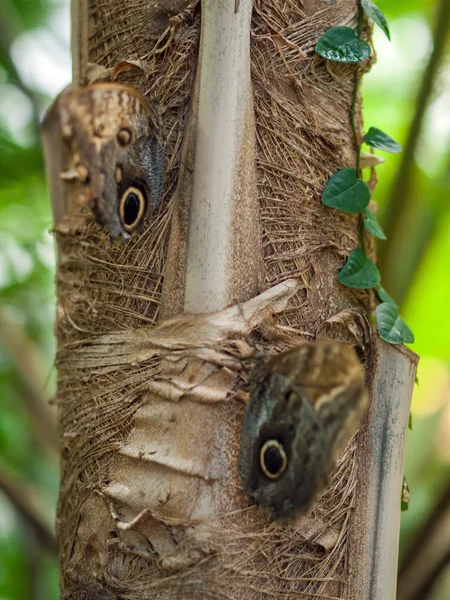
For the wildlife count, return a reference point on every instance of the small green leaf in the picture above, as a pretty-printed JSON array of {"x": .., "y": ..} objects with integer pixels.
[
  {"x": 391, "y": 326},
  {"x": 346, "y": 192},
  {"x": 372, "y": 225},
  {"x": 416, "y": 380},
  {"x": 341, "y": 44},
  {"x": 376, "y": 15},
  {"x": 410, "y": 421},
  {"x": 359, "y": 271},
  {"x": 378, "y": 139},
  {"x": 384, "y": 296},
  {"x": 405, "y": 495}
]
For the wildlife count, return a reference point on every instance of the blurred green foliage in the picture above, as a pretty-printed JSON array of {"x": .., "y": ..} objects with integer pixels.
[
  {"x": 34, "y": 64},
  {"x": 389, "y": 103},
  {"x": 27, "y": 572}
]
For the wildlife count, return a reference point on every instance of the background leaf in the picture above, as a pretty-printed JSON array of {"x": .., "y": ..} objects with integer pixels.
[
  {"x": 376, "y": 15},
  {"x": 359, "y": 271},
  {"x": 405, "y": 495},
  {"x": 344, "y": 191},
  {"x": 378, "y": 139},
  {"x": 341, "y": 44}
]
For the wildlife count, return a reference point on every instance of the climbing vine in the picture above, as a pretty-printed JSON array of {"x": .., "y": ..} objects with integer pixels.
[{"x": 348, "y": 192}]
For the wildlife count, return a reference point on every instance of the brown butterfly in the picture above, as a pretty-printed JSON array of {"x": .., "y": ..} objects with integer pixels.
[
  {"x": 115, "y": 142},
  {"x": 304, "y": 406}
]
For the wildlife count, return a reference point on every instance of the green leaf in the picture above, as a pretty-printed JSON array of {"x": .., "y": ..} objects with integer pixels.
[
  {"x": 376, "y": 15},
  {"x": 372, "y": 225},
  {"x": 384, "y": 296},
  {"x": 410, "y": 421},
  {"x": 359, "y": 271},
  {"x": 391, "y": 326},
  {"x": 405, "y": 495},
  {"x": 342, "y": 45},
  {"x": 378, "y": 139},
  {"x": 346, "y": 192},
  {"x": 416, "y": 380}
]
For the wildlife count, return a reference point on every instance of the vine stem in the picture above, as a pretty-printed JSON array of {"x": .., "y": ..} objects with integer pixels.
[
  {"x": 353, "y": 124},
  {"x": 352, "y": 120},
  {"x": 355, "y": 96},
  {"x": 360, "y": 18},
  {"x": 362, "y": 232}
]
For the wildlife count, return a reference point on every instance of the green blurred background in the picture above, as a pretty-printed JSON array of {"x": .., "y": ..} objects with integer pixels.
[{"x": 34, "y": 66}]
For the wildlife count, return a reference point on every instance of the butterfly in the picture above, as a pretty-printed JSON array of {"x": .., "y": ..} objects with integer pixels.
[
  {"x": 115, "y": 146},
  {"x": 304, "y": 406}
]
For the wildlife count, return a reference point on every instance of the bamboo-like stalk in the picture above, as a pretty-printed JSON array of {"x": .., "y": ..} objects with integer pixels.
[{"x": 224, "y": 192}]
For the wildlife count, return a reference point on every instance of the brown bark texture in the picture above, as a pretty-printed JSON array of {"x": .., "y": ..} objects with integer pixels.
[{"x": 150, "y": 399}]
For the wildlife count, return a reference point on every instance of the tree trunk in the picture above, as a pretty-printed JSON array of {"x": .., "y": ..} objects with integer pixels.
[{"x": 150, "y": 399}]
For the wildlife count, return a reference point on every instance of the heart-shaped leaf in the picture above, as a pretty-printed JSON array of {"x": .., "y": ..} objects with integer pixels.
[
  {"x": 341, "y": 44},
  {"x": 372, "y": 225},
  {"x": 359, "y": 271},
  {"x": 391, "y": 326},
  {"x": 376, "y": 15},
  {"x": 384, "y": 296},
  {"x": 378, "y": 139},
  {"x": 346, "y": 192}
]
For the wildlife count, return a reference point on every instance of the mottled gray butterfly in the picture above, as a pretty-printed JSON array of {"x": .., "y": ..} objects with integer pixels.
[
  {"x": 304, "y": 406},
  {"x": 115, "y": 143}
]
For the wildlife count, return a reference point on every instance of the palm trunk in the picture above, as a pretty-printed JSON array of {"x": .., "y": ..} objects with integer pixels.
[{"x": 150, "y": 407}]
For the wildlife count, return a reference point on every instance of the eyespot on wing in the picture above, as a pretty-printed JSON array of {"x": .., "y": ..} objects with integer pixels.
[
  {"x": 273, "y": 459},
  {"x": 132, "y": 208}
]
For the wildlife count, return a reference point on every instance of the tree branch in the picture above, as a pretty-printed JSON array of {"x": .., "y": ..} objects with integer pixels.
[
  {"x": 428, "y": 554},
  {"x": 429, "y": 217},
  {"x": 21, "y": 496},
  {"x": 400, "y": 205},
  {"x": 9, "y": 30},
  {"x": 26, "y": 359}
]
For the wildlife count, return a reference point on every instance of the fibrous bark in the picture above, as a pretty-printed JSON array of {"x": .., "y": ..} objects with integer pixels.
[{"x": 150, "y": 409}]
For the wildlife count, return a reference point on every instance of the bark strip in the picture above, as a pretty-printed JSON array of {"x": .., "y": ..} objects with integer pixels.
[{"x": 375, "y": 527}]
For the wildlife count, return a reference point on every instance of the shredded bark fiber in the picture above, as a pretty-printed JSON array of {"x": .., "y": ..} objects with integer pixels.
[{"x": 137, "y": 396}]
